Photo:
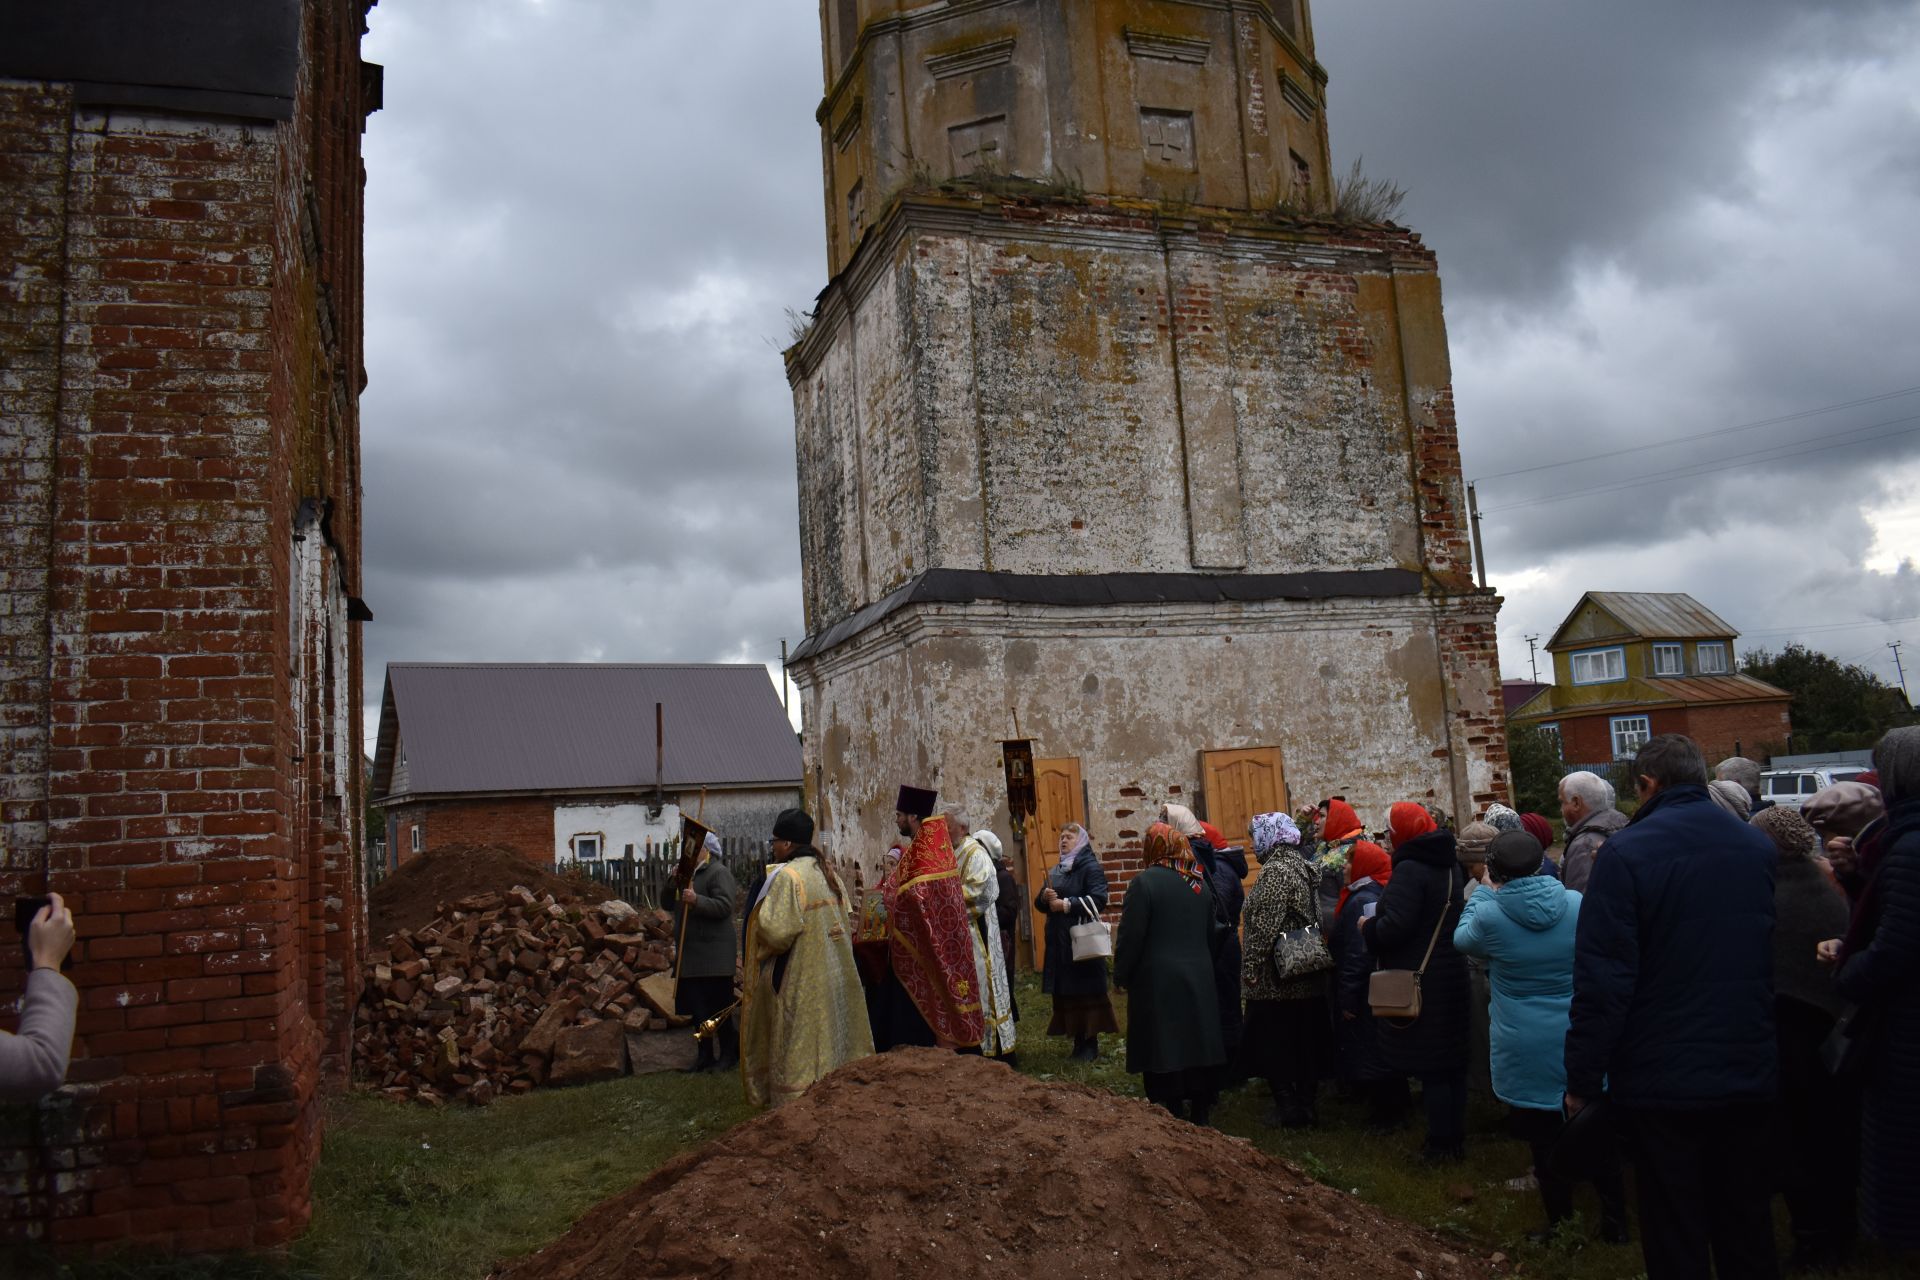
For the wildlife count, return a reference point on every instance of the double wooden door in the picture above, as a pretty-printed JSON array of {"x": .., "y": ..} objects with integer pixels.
[{"x": 1239, "y": 784}]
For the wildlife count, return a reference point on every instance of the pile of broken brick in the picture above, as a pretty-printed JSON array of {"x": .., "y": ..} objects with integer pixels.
[{"x": 505, "y": 992}]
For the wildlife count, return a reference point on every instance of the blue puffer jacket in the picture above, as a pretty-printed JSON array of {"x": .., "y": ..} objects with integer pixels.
[
  {"x": 1524, "y": 932},
  {"x": 1673, "y": 961}
]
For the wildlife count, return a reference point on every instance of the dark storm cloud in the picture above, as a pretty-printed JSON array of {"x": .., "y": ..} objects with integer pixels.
[{"x": 586, "y": 220}]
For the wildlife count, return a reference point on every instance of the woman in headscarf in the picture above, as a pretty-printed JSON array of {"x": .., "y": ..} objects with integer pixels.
[
  {"x": 1340, "y": 830},
  {"x": 1075, "y": 893},
  {"x": 1223, "y": 873},
  {"x": 1361, "y": 1062},
  {"x": 1413, "y": 929},
  {"x": 1820, "y": 1167},
  {"x": 1879, "y": 970},
  {"x": 1287, "y": 1036},
  {"x": 1537, "y": 826},
  {"x": 1164, "y": 961}
]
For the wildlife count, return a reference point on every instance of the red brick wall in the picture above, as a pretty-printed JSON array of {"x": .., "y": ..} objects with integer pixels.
[
  {"x": 523, "y": 824},
  {"x": 190, "y": 804},
  {"x": 1755, "y": 726}
]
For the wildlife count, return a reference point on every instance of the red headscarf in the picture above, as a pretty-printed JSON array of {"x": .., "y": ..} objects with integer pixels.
[
  {"x": 1408, "y": 821},
  {"x": 1341, "y": 821},
  {"x": 1214, "y": 835},
  {"x": 1165, "y": 847},
  {"x": 1369, "y": 860},
  {"x": 1538, "y": 827}
]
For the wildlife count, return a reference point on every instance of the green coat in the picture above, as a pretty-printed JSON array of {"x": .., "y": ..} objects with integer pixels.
[
  {"x": 1164, "y": 960},
  {"x": 711, "y": 945}
]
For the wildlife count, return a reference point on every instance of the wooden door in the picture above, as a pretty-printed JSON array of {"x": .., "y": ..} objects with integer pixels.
[
  {"x": 1057, "y": 796},
  {"x": 1239, "y": 784}
]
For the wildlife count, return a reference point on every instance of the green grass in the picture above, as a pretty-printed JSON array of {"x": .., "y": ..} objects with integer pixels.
[
  {"x": 404, "y": 1192},
  {"x": 410, "y": 1193}
]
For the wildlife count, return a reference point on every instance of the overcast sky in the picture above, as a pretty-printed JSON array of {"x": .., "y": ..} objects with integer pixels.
[{"x": 586, "y": 221}]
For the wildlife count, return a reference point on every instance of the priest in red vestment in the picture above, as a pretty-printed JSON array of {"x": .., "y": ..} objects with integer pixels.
[{"x": 928, "y": 943}]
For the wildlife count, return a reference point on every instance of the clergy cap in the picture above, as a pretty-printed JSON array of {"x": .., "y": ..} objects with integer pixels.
[{"x": 916, "y": 802}]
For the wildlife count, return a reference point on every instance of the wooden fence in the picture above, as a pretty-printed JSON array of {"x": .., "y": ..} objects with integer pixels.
[{"x": 643, "y": 880}]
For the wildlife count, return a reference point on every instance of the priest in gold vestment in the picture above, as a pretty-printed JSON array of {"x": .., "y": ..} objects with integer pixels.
[{"x": 803, "y": 1013}]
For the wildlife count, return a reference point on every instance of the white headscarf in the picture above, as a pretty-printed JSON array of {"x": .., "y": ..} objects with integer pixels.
[
  {"x": 991, "y": 843},
  {"x": 1181, "y": 819}
]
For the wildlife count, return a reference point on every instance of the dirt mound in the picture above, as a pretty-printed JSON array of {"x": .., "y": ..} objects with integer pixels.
[
  {"x": 920, "y": 1162},
  {"x": 413, "y": 895}
]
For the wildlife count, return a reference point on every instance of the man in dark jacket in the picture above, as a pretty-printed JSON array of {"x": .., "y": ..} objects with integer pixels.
[{"x": 1673, "y": 1010}]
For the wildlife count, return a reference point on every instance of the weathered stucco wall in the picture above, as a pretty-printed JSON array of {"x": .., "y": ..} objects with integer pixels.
[
  {"x": 1079, "y": 389},
  {"x": 1377, "y": 700}
]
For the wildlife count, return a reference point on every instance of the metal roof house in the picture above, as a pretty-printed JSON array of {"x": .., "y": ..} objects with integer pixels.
[
  {"x": 1629, "y": 665},
  {"x": 561, "y": 761}
]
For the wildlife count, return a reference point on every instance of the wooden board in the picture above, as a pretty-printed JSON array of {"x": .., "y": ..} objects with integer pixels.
[
  {"x": 1057, "y": 792},
  {"x": 1240, "y": 783}
]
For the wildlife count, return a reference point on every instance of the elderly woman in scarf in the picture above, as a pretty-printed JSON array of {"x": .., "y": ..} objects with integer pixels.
[
  {"x": 1288, "y": 1038},
  {"x": 1878, "y": 963},
  {"x": 1361, "y": 1061},
  {"x": 1223, "y": 870},
  {"x": 1164, "y": 960},
  {"x": 1340, "y": 831},
  {"x": 1821, "y": 1116},
  {"x": 1075, "y": 893}
]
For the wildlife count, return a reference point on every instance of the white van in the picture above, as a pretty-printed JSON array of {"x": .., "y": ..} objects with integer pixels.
[{"x": 1790, "y": 788}]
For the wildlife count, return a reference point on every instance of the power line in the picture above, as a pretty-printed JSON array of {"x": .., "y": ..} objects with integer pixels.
[
  {"x": 1771, "y": 455},
  {"x": 1703, "y": 435},
  {"x": 1828, "y": 626}
]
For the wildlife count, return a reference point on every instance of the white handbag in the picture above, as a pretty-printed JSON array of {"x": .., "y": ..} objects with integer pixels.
[{"x": 1092, "y": 940}]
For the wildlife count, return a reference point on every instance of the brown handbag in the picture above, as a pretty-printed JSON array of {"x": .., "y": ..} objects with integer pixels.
[{"x": 1395, "y": 993}]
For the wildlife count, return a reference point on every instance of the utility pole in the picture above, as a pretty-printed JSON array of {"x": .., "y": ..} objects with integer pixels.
[
  {"x": 1473, "y": 516},
  {"x": 783, "y": 678},
  {"x": 1902, "y": 671},
  {"x": 1533, "y": 640}
]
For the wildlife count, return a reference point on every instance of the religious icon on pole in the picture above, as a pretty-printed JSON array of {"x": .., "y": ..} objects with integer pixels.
[{"x": 1016, "y": 757}]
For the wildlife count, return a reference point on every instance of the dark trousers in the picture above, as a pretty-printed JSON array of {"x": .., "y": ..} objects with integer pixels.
[
  {"x": 1540, "y": 1130},
  {"x": 1705, "y": 1195},
  {"x": 1445, "y": 1096},
  {"x": 703, "y": 998},
  {"x": 1820, "y": 1162},
  {"x": 1388, "y": 1099}
]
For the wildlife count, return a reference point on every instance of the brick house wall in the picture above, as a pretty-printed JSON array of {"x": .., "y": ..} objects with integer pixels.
[
  {"x": 1756, "y": 728},
  {"x": 181, "y": 682}
]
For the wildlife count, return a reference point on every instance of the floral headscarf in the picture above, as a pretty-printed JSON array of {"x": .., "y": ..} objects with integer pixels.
[
  {"x": 1271, "y": 831},
  {"x": 1501, "y": 818},
  {"x": 1165, "y": 847}
]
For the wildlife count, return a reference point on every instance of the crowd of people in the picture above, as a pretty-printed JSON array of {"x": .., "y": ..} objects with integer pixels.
[
  {"x": 1719, "y": 993},
  {"x": 1722, "y": 993}
]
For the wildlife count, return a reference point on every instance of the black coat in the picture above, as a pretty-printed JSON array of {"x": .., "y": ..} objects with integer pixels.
[
  {"x": 1085, "y": 889},
  {"x": 1229, "y": 899},
  {"x": 711, "y": 941},
  {"x": 1165, "y": 960},
  {"x": 1884, "y": 977},
  {"x": 1424, "y": 891},
  {"x": 1359, "y": 1037},
  {"x": 1673, "y": 961}
]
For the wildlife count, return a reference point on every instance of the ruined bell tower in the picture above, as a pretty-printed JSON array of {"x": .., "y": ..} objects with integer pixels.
[{"x": 1110, "y": 414}]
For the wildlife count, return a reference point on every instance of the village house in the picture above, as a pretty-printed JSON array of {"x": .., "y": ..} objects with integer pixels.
[
  {"x": 561, "y": 761},
  {"x": 1631, "y": 664}
]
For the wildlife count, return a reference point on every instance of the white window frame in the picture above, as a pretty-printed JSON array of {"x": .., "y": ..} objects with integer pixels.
[
  {"x": 1614, "y": 667},
  {"x": 1634, "y": 738},
  {"x": 1676, "y": 652},
  {"x": 1723, "y": 661},
  {"x": 598, "y": 839},
  {"x": 413, "y": 838}
]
